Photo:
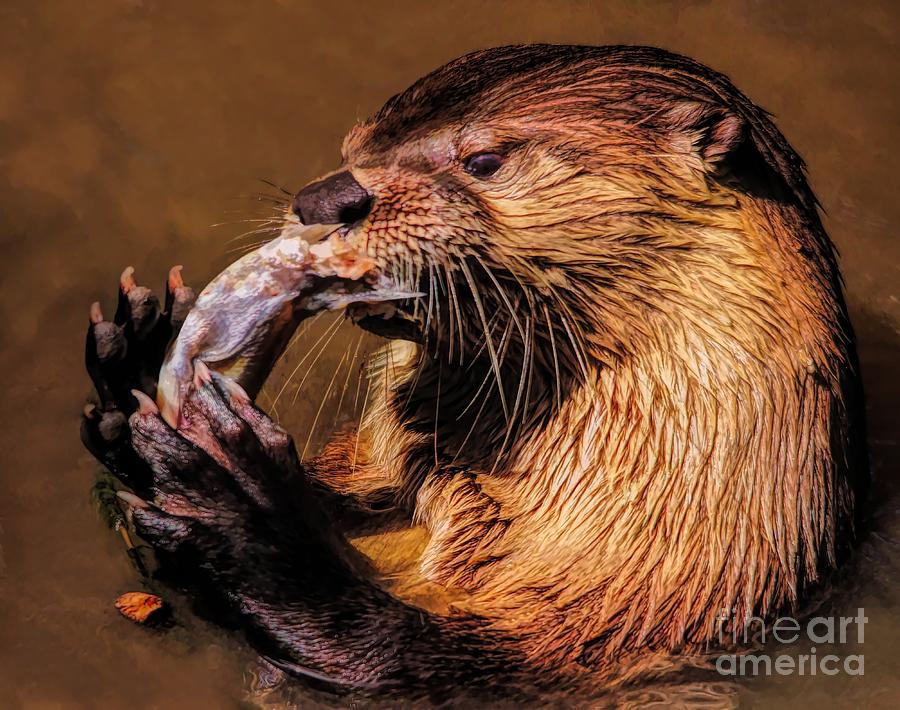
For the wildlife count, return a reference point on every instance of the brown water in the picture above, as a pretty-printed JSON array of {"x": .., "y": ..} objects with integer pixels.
[{"x": 128, "y": 128}]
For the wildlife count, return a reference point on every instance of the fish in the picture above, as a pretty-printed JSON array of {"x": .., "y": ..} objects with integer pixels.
[{"x": 243, "y": 320}]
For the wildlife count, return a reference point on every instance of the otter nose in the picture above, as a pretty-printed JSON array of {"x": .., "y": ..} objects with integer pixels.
[{"x": 336, "y": 199}]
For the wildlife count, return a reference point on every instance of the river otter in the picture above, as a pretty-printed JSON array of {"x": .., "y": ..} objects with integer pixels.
[{"x": 628, "y": 401}]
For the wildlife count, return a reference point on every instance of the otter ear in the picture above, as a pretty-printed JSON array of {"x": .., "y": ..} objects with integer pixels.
[{"x": 714, "y": 131}]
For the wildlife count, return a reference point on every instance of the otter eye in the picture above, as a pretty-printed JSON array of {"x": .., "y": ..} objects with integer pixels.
[{"x": 482, "y": 165}]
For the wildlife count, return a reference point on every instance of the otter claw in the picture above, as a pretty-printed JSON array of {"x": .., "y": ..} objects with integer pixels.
[
  {"x": 202, "y": 375},
  {"x": 145, "y": 404},
  {"x": 175, "y": 279},
  {"x": 170, "y": 391},
  {"x": 96, "y": 314},
  {"x": 137, "y": 305},
  {"x": 234, "y": 390},
  {"x": 126, "y": 280},
  {"x": 168, "y": 395},
  {"x": 179, "y": 298}
]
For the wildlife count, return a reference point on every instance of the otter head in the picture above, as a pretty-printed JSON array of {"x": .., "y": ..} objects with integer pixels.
[{"x": 575, "y": 200}]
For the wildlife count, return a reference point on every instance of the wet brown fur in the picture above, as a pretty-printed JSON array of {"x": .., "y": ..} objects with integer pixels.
[{"x": 663, "y": 421}]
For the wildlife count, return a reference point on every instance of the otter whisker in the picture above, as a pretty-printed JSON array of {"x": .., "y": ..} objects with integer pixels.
[
  {"x": 347, "y": 379},
  {"x": 576, "y": 340},
  {"x": 419, "y": 366},
  {"x": 246, "y": 248},
  {"x": 579, "y": 355},
  {"x": 270, "y": 199},
  {"x": 270, "y": 226},
  {"x": 483, "y": 343},
  {"x": 416, "y": 282},
  {"x": 423, "y": 349},
  {"x": 513, "y": 308},
  {"x": 451, "y": 311},
  {"x": 362, "y": 416},
  {"x": 280, "y": 188},
  {"x": 502, "y": 293},
  {"x": 456, "y": 314},
  {"x": 274, "y": 215},
  {"x": 531, "y": 360},
  {"x": 334, "y": 327},
  {"x": 273, "y": 230},
  {"x": 390, "y": 373},
  {"x": 433, "y": 299},
  {"x": 304, "y": 328},
  {"x": 361, "y": 374},
  {"x": 495, "y": 363},
  {"x": 525, "y": 374},
  {"x": 325, "y": 396},
  {"x": 410, "y": 282},
  {"x": 440, "y": 270},
  {"x": 254, "y": 220},
  {"x": 557, "y": 383},
  {"x": 504, "y": 346},
  {"x": 270, "y": 407},
  {"x": 269, "y": 232},
  {"x": 300, "y": 364},
  {"x": 301, "y": 331},
  {"x": 577, "y": 343},
  {"x": 437, "y": 408},
  {"x": 484, "y": 401}
]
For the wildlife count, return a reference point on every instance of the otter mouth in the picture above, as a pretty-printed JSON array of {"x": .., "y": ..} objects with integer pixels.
[
  {"x": 243, "y": 320},
  {"x": 394, "y": 320}
]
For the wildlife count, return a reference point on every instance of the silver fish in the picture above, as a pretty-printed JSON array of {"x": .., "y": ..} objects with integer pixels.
[{"x": 244, "y": 318}]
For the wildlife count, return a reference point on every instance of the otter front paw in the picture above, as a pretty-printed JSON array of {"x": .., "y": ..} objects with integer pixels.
[
  {"x": 125, "y": 354},
  {"x": 222, "y": 503}
]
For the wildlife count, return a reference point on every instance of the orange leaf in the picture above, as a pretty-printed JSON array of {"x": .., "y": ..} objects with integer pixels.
[{"x": 139, "y": 606}]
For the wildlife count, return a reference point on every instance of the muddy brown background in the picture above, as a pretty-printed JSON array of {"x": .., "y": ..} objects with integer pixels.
[{"x": 128, "y": 128}]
